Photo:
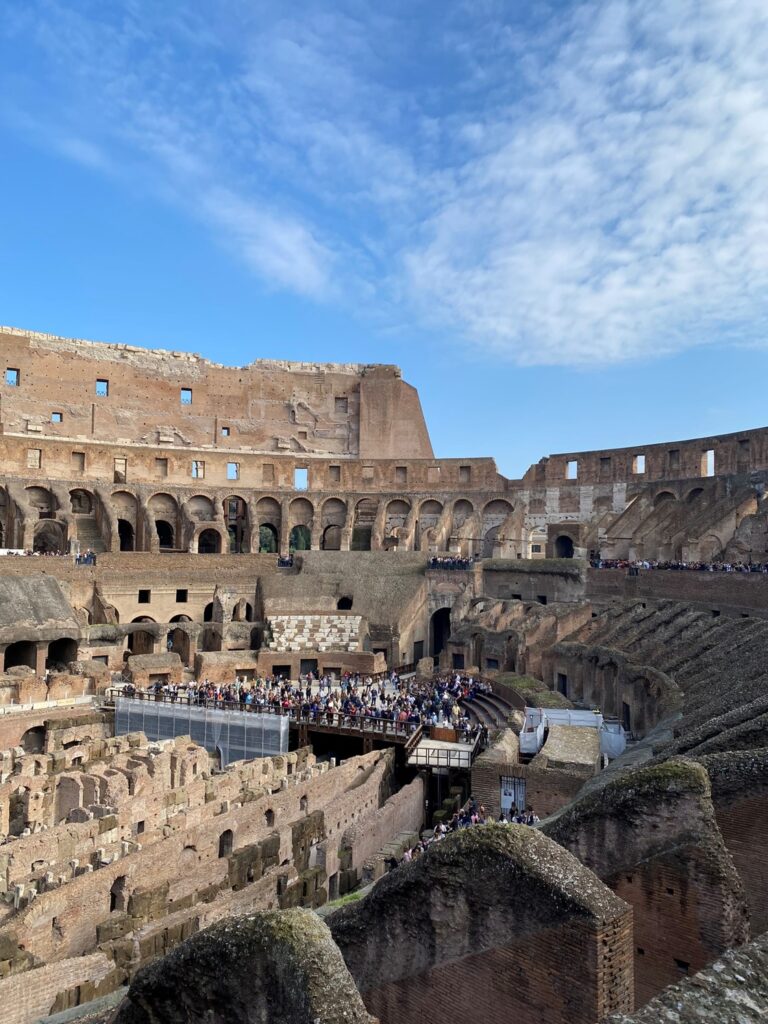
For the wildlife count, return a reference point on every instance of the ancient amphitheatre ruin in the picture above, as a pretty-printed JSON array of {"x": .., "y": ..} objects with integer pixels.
[{"x": 171, "y": 526}]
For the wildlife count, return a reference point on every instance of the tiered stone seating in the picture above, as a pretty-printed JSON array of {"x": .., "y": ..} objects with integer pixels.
[{"x": 315, "y": 632}]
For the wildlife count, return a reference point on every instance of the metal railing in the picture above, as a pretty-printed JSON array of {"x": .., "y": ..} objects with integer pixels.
[{"x": 298, "y": 716}]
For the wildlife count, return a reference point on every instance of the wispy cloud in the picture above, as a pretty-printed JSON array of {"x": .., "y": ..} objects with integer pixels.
[{"x": 586, "y": 183}]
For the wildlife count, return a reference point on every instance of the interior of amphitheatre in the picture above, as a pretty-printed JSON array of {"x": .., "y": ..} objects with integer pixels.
[{"x": 275, "y": 683}]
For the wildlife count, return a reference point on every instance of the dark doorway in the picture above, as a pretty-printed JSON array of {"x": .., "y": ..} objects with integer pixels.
[
  {"x": 308, "y": 665},
  {"x": 439, "y": 630},
  {"x": 563, "y": 547},
  {"x": 33, "y": 740},
  {"x": 331, "y": 538},
  {"x": 562, "y": 683},
  {"x": 164, "y": 533},
  {"x": 226, "y": 843},
  {"x": 626, "y": 717},
  {"x": 209, "y": 542},
  {"x": 361, "y": 539},
  {"x": 344, "y": 604},
  {"x": 23, "y": 652},
  {"x": 268, "y": 539},
  {"x": 61, "y": 652},
  {"x": 300, "y": 539},
  {"x": 125, "y": 533}
]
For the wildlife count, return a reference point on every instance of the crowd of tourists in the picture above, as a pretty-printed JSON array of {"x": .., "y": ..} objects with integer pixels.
[
  {"x": 450, "y": 562},
  {"x": 409, "y": 702},
  {"x": 470, "y": 815},
  {"x": 676, "y": 565}
]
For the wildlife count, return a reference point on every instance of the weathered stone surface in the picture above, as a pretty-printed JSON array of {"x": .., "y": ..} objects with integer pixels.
[
  {"x": 734, "y": 990},
  {"x": 279, "y": 967}
]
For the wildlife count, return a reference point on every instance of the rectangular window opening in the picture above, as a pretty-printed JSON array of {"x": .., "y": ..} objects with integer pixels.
[
  {"x": 161, "y": 467},
  {"x": 341, "y": 405},
  {"x": 225, "y": 431},
  {"x": 233, "y": 471},
  {"x": 300, "y": 478},
  {"x": 182, "y": 596},
  {"x": 12, "y": 377},
  {"x": 401, "y": 474},
  {"x": 34, "y": 458},
  {"x": 367, "y": 473},
  {"x": 56, "y": 417},
  {"x": 433, "y": 474},
  {"x": 267, "y": 474},
  {"x": 605, "y": 466},
  {"x": 102, "y": 388},
  {"x": 638, "y": 464},
  {"x": 536, "y": 549},
  {"x": 334, "y": 474},
  {"x": 674, "y": 458},
  {"x": 121, "y": 471},
  {"x": 186, "y": 396},
  {"x": 145, "y": 596},
  {"x": 198, "y": 469},
  {"x": 78, "y": 462},
  {"x": 542, "y": 598},
  {"x": 572, "y": 469},
  {"x": 708, "y": 462},
  {"x": 465, "y": 474}
]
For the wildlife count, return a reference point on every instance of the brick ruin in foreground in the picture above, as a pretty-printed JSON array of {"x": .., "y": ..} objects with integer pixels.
[{"x": 126, "y": 861}]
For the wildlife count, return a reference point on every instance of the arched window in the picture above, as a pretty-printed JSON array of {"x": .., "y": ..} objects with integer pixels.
[
  {"x": 117, "y": 895},
  {"x": 269, "y": 818},
  {"x": 226, "y": 842}
]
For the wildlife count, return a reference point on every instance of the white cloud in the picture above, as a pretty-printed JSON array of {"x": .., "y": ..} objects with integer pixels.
[
  {"x": 623, "y": 213},
  {"x": 584, "y": 185}
]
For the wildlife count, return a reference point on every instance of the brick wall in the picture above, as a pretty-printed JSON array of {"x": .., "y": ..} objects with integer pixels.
[{"x": 571, "y": 974}]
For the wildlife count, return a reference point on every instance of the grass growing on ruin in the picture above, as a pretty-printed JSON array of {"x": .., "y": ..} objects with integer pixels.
[{"x": 349, "y": 897}]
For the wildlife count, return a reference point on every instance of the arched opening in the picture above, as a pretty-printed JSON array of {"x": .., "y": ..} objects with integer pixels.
[
  {"x": 141, "y": 641},
  {"x": 694, "y": 494},
  {"x": 300, "y": 539},
  {"x": 81, "y": 502},
  {"x": 490, "y": 541},
  {"x": 208, "y": 612},
  {"x": 125, "y": 535},
  {"x": 662, "y": 498},
  {"x": 269, "y": 818},
  {"x": 331, "y": 540},
  {"x": 563, "y": 547},
  {"x": 396, "y": 515},
  {"x": 365, "y": 516},
  {"x": 209, "y": 542},
  {"x": 344, "y": 604},
  {"x": 242, "y": 612},
  {"x": 226, "y": 842},
  {"x": 236, "y": 517},
  {"x": 23, "y": 652},
  {"x": 49, "y": 537},
  {"x": 177, "y": 642},
  {"x": 304, "y": 804},
  {"x": 33, "y": 740},
  {"x": 164, "y": 533},
  {"x": 268, "y": 539},
  {"x": 439, "y": 630},
  {"x": 180, "y": 618},
  {"x": 117, "y": 895},
  {"x": 61, "y": 652}
]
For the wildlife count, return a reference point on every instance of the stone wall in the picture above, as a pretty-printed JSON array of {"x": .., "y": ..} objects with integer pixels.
[
  {"x": 483, "y": 924},
  {"x": 651, "y": 836}
]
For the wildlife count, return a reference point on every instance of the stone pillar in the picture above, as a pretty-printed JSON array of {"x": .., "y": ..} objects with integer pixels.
[{"x": 285, "y": 527}]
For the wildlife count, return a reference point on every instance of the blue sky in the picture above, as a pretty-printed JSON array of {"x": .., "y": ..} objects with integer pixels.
[{"x": 553, "y": 216}]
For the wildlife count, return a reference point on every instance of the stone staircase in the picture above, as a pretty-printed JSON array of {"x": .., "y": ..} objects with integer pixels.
[
  {"x": 88, "y": 533},
  {"x": 315, "y": 632}
]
